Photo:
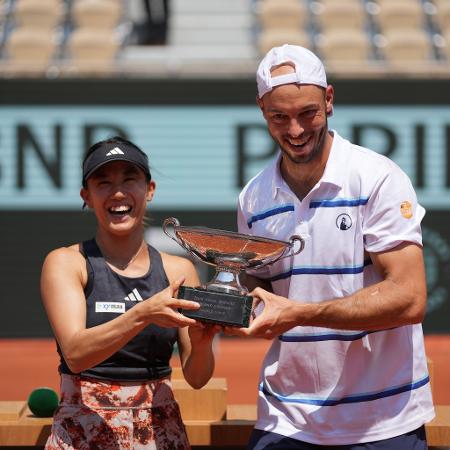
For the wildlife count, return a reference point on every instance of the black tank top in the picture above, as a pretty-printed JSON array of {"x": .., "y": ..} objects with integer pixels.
[{"x": 108, "y": 294}]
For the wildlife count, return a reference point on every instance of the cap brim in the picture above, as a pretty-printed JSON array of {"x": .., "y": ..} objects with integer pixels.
[{"x": 115, "y": 158}]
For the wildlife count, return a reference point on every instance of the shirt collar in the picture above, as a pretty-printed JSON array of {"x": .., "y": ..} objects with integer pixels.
[
  {"x": 334, "y": 170},
  {"x": 278, "y": 183}
]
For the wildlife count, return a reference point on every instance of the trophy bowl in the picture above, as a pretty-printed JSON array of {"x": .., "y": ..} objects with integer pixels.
[{"x": 223, "y": 300}]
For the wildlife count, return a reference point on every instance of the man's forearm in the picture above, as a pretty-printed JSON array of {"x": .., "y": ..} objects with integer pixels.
[{"x": 383, "y": 305}]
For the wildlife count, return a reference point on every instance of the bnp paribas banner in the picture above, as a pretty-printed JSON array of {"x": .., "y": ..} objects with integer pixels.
[{"x": 200, "y": 156}]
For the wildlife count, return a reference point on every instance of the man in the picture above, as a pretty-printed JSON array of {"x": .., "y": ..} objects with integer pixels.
[{"x": 347, "y": 365}]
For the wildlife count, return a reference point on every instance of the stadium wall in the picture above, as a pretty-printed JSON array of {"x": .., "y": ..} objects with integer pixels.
[{"x": 205, "y": 139}]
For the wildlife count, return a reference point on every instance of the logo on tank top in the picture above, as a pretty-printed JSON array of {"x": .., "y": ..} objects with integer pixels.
[
  {"x": 110, "y": 307},
  {"x": 134, "y": 296}
]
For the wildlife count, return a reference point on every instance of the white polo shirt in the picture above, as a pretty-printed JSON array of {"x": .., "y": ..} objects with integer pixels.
[{"x": 328, "y": 386}]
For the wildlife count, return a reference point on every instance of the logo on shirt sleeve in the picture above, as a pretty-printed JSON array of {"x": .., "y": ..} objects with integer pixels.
[{"x": 406, "y": 209}]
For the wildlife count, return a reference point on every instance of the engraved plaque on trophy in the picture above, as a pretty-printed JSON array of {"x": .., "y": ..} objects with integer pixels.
[{"x": 223, "y": 300}]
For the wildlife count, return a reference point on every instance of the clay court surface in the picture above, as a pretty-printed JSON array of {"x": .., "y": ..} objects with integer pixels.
[{"x": 30, "y": 363}]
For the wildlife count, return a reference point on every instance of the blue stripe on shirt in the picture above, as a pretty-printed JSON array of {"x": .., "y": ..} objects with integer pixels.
[
  {"x": 317, "y": 337},
  {"x": 269, "y": 213},
  {"x": 323, "y": 337},
  {"x": 314, "y": 204},
  {"x": 339, "y": 202},
  {"x": 334, "y": 270},
  {"x": 357, "y": 398}
]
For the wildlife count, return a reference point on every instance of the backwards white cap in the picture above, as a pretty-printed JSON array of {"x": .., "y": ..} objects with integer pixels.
[{"x": 308, "y": 68}]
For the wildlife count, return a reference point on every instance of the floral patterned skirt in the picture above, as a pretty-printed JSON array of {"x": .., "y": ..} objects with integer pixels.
[{"x": 104, "y": 415}]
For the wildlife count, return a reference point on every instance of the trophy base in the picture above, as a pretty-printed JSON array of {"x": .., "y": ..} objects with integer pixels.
[{"x": 218, "y": 307}]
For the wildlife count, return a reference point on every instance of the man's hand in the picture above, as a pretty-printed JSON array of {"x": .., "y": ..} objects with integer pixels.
[{"x": 278, "y": 316}]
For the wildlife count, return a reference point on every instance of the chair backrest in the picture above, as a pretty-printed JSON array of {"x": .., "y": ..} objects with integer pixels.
[
  {"x": 44, "y": 14},
  {"x": 344, "y": 46},
  {"x": 403, "y": 46},
  {"x": 343, "y": 14},
  {"x": 282, "y": 14},
  {"x": 401, "y": 3},
  {"x": 440, "y": 3},
  {"x": 28, "y": 46},
  {"x": 276, "y": 37},
  {"x": 442, "y": 16},
  {"x": 96, "y": 13},
  {"x": 348, "y": 2},
  {"x": 396, "y": 14},
  {"x": 92, "y": 45}
]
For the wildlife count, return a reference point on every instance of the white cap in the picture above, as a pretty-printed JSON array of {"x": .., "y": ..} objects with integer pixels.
[{"x": 308, "y": 68}]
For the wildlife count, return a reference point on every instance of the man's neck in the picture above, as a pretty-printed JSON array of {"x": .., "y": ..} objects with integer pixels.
[{"x": 301, "y": 178}]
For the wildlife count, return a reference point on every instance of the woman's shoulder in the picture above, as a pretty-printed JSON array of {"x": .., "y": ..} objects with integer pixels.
[
  {"x": 174, "y": 261},
  {"x": 64, "y": 271},
  {"x": 70, "y": 255},
  {"x": 177, "y": 266}
]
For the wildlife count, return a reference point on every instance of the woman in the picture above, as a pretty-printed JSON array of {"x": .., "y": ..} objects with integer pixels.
[{"x": 111, "y": 304}]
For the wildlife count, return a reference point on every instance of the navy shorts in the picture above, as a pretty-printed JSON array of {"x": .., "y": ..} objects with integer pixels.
[{"x": 265, "y": 440}]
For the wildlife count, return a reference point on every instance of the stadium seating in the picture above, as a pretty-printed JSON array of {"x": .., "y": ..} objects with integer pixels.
[
  {"x": 93, "y": 44},
  {"x": 280, "y": 22},
  {"x": 91, "y": 50},
  {"x": 400, "y": 14},
  {"x": 407, "y": 46},
  {"x": 204, "y": 37},
  {"x": 43, "y": 14},
  {"x": 362, "y": 35},
  {"x": 99, "y": 14},
  {"x": 48, "y": 35},
  {"x": 343, "y": 46},
  {"x": 225, "y": 36},
  {"x": 278, "y": 36},
  {"x": 442, "y": 15},
  {"x": 348, "y": 15},
  {"x": 274, "y": 14},
  {"x": 29, "y": 50},
  {"x": 31, "y": 34}
]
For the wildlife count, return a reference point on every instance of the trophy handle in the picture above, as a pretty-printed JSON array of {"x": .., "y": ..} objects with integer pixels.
[
  {"x": 172, "y": 222},
  {"x": 292, "y": 240},
  {"x": 298, "y": 238}
]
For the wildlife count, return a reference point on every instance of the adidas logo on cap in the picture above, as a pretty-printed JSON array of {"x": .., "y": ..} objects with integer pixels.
[{"x": 115, "y": 151}]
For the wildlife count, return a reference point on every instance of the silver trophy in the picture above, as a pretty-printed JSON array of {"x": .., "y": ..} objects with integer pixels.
[{"x": 224, "y": 300}]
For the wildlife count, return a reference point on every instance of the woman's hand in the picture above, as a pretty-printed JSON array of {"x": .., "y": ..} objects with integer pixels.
[
  {"x": 162, "y": 308},
  {"x": 197, "y": 356},
  {"x": 202, "y": 334}
]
